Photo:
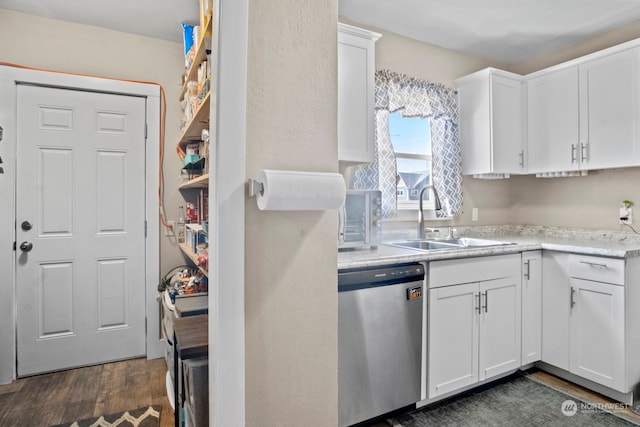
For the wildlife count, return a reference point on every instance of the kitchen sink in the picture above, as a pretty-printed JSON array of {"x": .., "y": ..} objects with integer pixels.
[
  {"x": 427, "y": 245},
  {"x": 448, "y": 244},
  {"x": 471, "y": 242}
]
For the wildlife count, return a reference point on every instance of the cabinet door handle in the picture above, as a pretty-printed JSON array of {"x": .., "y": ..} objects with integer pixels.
[
  {"x": 572, "y": 300},
  {"x": 583, "y": 152},
  {"x": 478, "y": 302},
  {"x": 594, "y": 264},
  {"x": 486, "y": 301},
  {"x": 527, "y": 271},
  {"x": 573, "y": 153},
  {"x": 521, "y": 158}
]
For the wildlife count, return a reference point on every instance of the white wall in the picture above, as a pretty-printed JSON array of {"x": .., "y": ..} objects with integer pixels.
[
  {"x": 61, "y": 46},
  {"x": 290, "y": 265}
]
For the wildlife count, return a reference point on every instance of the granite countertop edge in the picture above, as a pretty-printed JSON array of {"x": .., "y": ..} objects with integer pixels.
[{"x": 525, "y": 238}]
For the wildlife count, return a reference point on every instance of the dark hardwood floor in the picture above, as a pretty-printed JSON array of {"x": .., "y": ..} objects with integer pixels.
[{"x": 66, "y": 396}]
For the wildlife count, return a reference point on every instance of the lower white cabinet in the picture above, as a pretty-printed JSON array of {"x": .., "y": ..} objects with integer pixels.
[
  {"x": 531, "y": 306},
  {"x": 555, "y": 308},
  {"x": 588, "y": 326},
  {"x": 596, "y": 332},
  {"x": 474, "y": 319},
  {"x": 453, "y": 338}
]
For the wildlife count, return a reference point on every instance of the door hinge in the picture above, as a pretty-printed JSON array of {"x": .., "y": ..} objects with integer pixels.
[
  {"x": 145, "y": 228},
  {"x": 146, "y": 131},
  {"x": 15, "y": 246}
]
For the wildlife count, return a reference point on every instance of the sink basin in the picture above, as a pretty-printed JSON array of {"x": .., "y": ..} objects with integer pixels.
[
  {"x": 426, "y": 245},
  {"x": 448, "y": 244},
  {"x": 471, "y": 242}
]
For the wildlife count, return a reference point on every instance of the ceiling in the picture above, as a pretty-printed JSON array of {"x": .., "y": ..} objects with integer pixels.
[
  {"x": 507, "y": 31},
  {"x": 154, "y": 18}
]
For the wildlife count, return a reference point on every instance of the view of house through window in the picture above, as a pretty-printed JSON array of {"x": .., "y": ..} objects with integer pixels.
[{"x": 411, "y": 140}]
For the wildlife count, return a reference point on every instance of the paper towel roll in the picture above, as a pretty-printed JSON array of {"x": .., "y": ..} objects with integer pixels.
[{"x": 300, "y": 191}]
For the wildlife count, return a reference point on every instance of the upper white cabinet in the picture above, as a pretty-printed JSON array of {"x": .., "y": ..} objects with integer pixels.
[
  {"x": 610, "y": 111},
  {"x": 577, "y": 116},
  {"x": 356, "y": 90},
  {"x": 491, "y": 131},
  {"x": 552, "y": 121},
  {"x": 585, "y": 115}
]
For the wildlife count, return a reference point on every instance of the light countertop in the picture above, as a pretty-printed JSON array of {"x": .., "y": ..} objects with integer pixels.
[{"x": 526, "y": 238}]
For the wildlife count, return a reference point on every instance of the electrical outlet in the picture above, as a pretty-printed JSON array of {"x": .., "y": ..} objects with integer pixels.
[
  {"x": 474, "y": 214},
  {"x": 626, "y": 215},
  {"x": 169, "y": 231}
]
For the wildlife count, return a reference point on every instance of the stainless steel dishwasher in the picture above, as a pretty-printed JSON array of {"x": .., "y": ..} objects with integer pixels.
[{"x": 379, "y": 340}]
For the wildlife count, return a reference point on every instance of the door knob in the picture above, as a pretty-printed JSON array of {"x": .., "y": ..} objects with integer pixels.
[
  {"x": 26, "y": 246},
  {"x": 26, "y": 225}
]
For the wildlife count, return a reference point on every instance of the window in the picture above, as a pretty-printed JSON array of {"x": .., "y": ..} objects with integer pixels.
[{"x": 411, "y": 140}]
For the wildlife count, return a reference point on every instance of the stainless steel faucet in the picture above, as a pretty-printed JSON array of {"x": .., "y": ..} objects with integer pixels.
[
  {"x": 451, "y": 234},
  {"x": 438, "y": 206}
]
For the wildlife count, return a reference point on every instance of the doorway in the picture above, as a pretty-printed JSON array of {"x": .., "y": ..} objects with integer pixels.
[
  {"x": 80, "y": 220},
  {"x": 103, "y": 188}
]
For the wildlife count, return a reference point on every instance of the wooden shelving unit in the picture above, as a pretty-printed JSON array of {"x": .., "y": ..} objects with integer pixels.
[
  {"x": 200, "y": 182},
  {"x": 201, "y": 54},
  {"x": 199, "y": 121},
  {"x": 192, "y": 132},
  {"x": 193, "y": 257}
]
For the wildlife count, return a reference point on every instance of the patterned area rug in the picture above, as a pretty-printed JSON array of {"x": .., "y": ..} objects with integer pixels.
[
  {"x": 514, "y": 401},
  {"x": 141, "y": 417}
]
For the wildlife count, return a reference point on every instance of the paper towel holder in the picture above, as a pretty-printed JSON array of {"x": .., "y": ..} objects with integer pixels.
[{"x": 255, "y": 188}]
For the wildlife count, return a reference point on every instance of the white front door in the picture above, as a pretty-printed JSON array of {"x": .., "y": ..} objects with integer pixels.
[{"x": 80, "y": 228}]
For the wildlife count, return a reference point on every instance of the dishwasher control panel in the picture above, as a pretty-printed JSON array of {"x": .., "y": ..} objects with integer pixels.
[{"x": 379, "y": 276}]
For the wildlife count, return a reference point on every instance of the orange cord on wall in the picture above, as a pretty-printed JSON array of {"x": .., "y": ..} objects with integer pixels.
[{"x": 163, "y": 113}]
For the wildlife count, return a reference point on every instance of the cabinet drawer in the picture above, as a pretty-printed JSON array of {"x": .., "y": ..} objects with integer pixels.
[
  {"x": 598, "y": 269},
  {"x": 468, "y": 270}
]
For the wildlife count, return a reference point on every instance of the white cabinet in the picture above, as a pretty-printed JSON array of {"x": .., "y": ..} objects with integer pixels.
[
  {"x": 585, "y": 115},
  {"x": 588, "y": 328},
  {"x": 555, "y": 308},
  {"x": 453, "y": 338},
  {"x": 356, "y": 86},
  {"x": 500, "y": 327},
  {"x": 473, "y": 321},
  {"x": 596, "y": 347},
  {"x": 552, "y": 121},
  {"x": 531, "y": 306},
  {"x": 491, "y": 129},
  {"x": 610, "y": 111}
]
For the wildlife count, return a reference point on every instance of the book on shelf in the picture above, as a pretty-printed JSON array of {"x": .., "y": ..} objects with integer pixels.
[{"x": 202, "y": 205}]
